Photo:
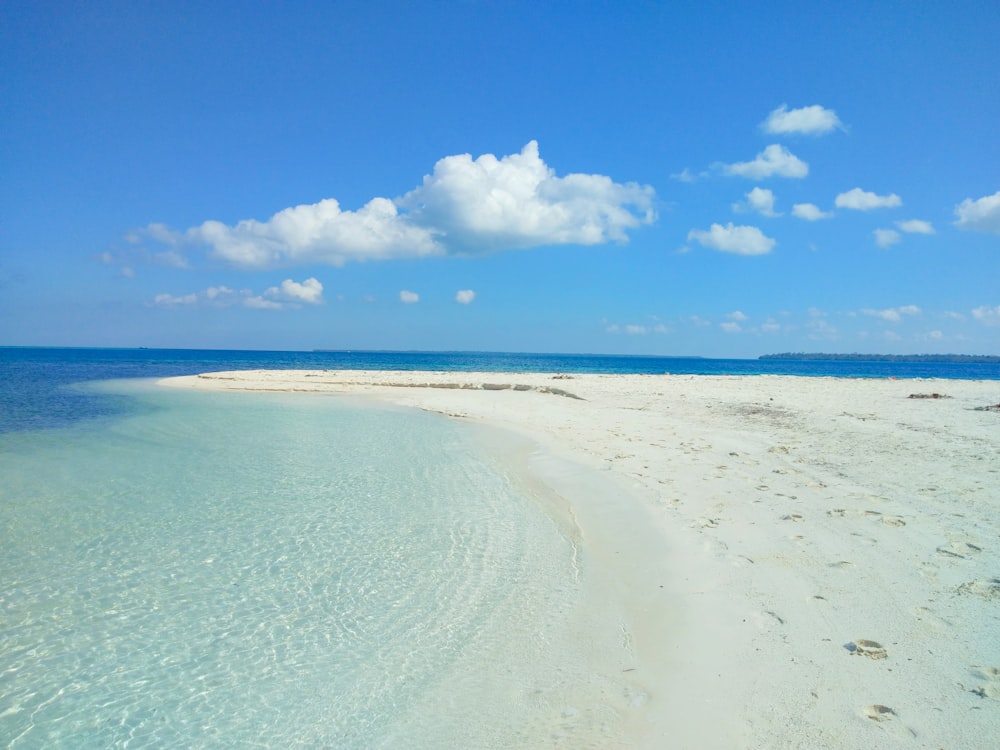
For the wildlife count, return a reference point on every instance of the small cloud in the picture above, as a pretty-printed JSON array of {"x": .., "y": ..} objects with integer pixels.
[
  {"x": 980, "y": 215},
  {"x": 810, "y": 212},
  {"x": 821, "y": 330},
  {"x": 915, "y": 226},
  {"x": 742, "y": 240},
  {"x": 892, "y": 314},
  {"x": 309, "y": 291},
  {"x": 861, "y": 200},
  {"x": 465, "y": 296},
  {"x": 259, "y": 303},
  {"x": 951, "y": 314},
  {"x": 685, "y": 175},
  {"x": 760, "y": 200},
  {"x": 988, "y": 315},
  {"x": 169, "y": 300},
  {"x": 775, "y": 160},
  {"x": 813, "y": 120},
  {"x": 771, "y": 326},
  {"x": 290, "y": 294},
  {"x": 886, "y": 237},
  {"x": 408, "y": 298},
  {"x": 731, "y": 327},
  {"x": 699, "y": 321},
  {"x": 737, "y": 315},
  {"x": 636, "y": 330}
]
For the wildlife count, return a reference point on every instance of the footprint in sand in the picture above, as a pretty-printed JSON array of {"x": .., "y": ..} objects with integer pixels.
[
  {"x": 878, "y": 712},
  {"x": 888, "y": 719},
  {"x": 792, "y": 517},
  {"x": 961, "y": 550},
  {"x": 991, "y": 677},
  {"x": 864, "y": 647},
  {"x": 987, "y": 588}
]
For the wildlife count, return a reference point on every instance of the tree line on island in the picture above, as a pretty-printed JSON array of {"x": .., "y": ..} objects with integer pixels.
[{"x": 956, "y": 358}]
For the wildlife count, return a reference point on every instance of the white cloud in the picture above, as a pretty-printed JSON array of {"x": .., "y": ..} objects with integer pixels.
[
  {"x": 813, "y": 120},
  {"x": 260, "y": 303},
  {"x": 951, "y": 314},
  {"x": 290, "y": 294},
  {"x": 861, "y": 200},
  {"x": 742, "y": 240},
  {"x": 309, "y": 291},
  {"x": 771, "y": 326},
  {"x": 773, "y": 160},
  {"x": 737, "y": 315},
  {"x": 981, "y": 215},
  {"x": 988, "y": 315},
  {"x": 893, "y": 314},
  {"x": 916, "y": 226},
  {"x": 886, "y": 237},
  {"x": 465, "y": 296},
  {"x": 731, "y": 327},
  {"x": 466, "y": 206},
  {"x": 810, "y": 212},
  {"x": 760, "y": 200},
  {"x": 169, "y": 300},
  {"x": 408, "y": 298}
]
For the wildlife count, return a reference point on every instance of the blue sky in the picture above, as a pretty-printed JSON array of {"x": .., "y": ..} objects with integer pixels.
[{"x": 718, "y": 179}]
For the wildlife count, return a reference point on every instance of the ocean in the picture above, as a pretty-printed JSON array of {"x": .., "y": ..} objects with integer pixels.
[{"x": 192, "y": 569}]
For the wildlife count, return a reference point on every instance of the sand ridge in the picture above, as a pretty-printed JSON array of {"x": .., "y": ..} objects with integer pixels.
[{"x": 809, "y": 522}]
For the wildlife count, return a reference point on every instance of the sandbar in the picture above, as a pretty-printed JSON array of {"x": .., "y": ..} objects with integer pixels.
[{"x": 833, "y": 543}]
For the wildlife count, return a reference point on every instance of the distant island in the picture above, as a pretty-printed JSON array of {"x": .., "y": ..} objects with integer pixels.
[{"x": 957, "y": 358}]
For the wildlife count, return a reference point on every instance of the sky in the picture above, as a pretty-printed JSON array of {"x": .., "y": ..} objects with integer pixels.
[{"x": 713, "y": 179}]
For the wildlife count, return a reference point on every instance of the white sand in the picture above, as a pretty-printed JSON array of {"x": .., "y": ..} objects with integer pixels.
[{"x": 833, "y": 545}]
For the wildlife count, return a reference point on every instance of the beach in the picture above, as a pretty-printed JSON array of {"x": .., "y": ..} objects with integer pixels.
[{"x": 819, "y": 558}]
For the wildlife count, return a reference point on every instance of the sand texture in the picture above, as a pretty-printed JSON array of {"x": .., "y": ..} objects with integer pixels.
[{"x": 833, "y": 544}]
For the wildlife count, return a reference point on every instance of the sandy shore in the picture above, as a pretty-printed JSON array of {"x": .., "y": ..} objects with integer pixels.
[{"x": 834, "y": 543}]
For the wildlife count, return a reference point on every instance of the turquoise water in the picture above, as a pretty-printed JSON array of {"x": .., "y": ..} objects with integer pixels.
[{"x": 251, "y": 570}]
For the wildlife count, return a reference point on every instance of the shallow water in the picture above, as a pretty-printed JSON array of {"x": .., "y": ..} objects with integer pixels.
[{"x": 274, "y": 570}]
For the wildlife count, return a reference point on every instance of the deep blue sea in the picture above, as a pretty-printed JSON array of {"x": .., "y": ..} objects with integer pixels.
[{"x": 213, "y": 570}]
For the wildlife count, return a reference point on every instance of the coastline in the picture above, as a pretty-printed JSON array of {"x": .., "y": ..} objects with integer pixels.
[{"x": 831, "y": 544}]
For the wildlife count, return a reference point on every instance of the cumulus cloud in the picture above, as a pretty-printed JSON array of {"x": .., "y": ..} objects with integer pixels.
[
  {"x": 810, "y": 212},
  {"x": 773, "y": 161},
  {"x": 916, "y": 226},
  {"x": 980, "y": 215},
  {"x": 465, "y": 296},
  {"x": 737, "y": 316},
  {"x": 886, "y": 237},
  {"x": 309, "y": 291},
  {"x": 813, "y": 120},
  {"x": 893, "y": 314},
  {"x": 760, "y": 200},
  {"x": 988, "y": 315},
  {"x": 861, "y": 200},
  {"x": 408, "y": 298},
  {"x": 289, "y": 294},
  {"x": 742, "y": 240},
  {"x": 466, "y": 206}
]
